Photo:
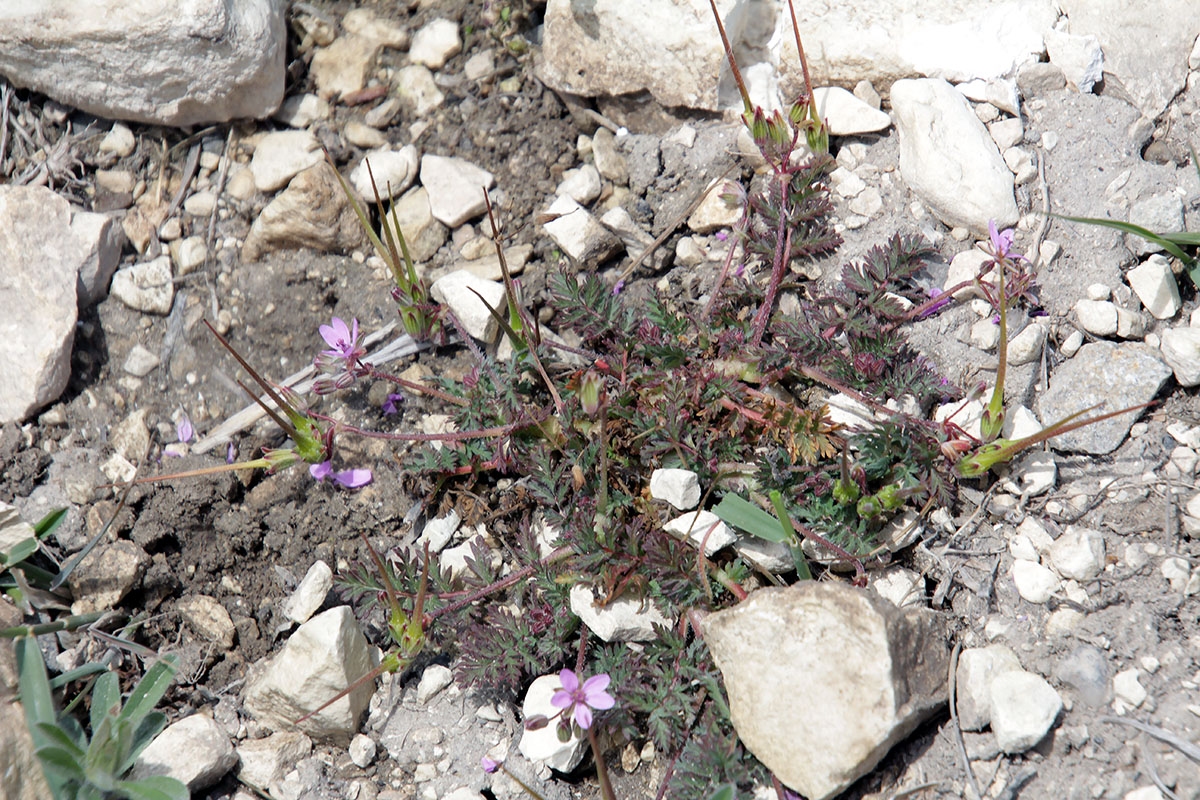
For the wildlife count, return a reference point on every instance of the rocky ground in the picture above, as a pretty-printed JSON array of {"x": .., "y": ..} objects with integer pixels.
[{"x": 1080, "y": 568}]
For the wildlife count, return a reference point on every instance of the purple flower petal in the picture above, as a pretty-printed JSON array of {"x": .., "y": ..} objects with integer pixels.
[
  {"x": 568, "y": 680},
  {"x": 489, "y": 765},
  {"x": 583, "y": 716},
  {"x": 230, "y": 453},
  {"x": 561, "y": 699},
  {"x": 353, "y": 478},
  {"x": 183, "y": 429},
  {"x": 390, "y": 404},
  {"x": 321, "y": 471}
]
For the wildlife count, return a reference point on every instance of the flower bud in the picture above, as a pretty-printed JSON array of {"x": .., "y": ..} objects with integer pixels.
[
  {"x": 279, "y": 458},
  {"x": 591, "y": 392}
]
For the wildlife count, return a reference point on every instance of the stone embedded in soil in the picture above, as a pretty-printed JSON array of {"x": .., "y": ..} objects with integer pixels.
[
  {"x": 323, "y": 657},
  {"x": 774, "y": 557},
  {"x": 455, "y": 188},
  {"x": 1079, "y": 57},
  {"x": 898, "y": 585},
  {"x": 208, "y": 619},
  {"x": 578, "y": 233},
  {"x": 1078, "y": 553},
  {"x": 1128, "y": 690},
  {"x": 147, "y": 286},
  {"x": 608, "y": 158},
  {"x": 714, "y": 213},
  {"x": 106, "y": 575},
  {"x": 1097, "y": 317},
  {"x": 311, "y": 212},
  {"x": 1156, "y": 287},
  {"x": 964, "y": 267},
  {"x": 435, "y": 678},
  {"x": 1035, "y": 583},
  {"x": 1102, "y": 372},
  {"x": 423, "y": 234},
  {"x": 679, "y": 487},
  {"x": 41, "y": 261},
  {"x": 194, "y": 750},
  {"x": 13, "y": 529},
  {"x": 308, "y": 596},
  {"x": 875, "y": 671},
  {"x": 1161, "y": 213},
  {"x": 702, "y": 526},
  {"x": 1023, "y": 708},
  {"x": 581, "y": 184},
  {"x": 1026, "y": 346},
  {"x": 542, "y": 746},
  {"x": 282, "y": 155},
  {"x": 393, "y": 171},
  {"x": 846, "y": 115},
  {"x": 948, "y": 158},
  {"x": 434, "y": 43},
  {"x": 627, "y": 618},
  {"x": 418, "y": 91},
  {"x": 455, "y": 290},
  {"x": 977, "y": 668},
  {"x": 1181, "y": 349},
  {"x": 264, "y": 761}
]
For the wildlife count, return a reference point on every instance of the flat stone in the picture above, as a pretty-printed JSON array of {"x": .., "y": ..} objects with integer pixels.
[
  {"x": 846, "y": 115},
  {"x": 434, "y": 43},
  {"x": 208, "y": 619},
  {"x": 1160, "y": 213},
  {"x": 1085, "y": 669},
  {"x": 312, "y": 211},
  {"x": 309, "y": 594},
  {"x": 107, "y": 574},
  {"x": 1097, "y": 317},
  {"x": 948, "y": 158},
  {"x": 342, "y": 67},
  {"x": 394, "y": 171},
  {"x": 1024, "y": 707},
  {"x": 434, "y": 678},
  {"x": 1026, "y": 346},
  {"x": 264, "y": 761},
  {"x": 282, "y": 155},
  {"x": 625, "y": 619},
  {"x": 1079, "y": 57},
  {"x": 1102, "y": 372},
  {"x": 455, "y": 188},
  {"x": 458, "y": 291},
  {"x": 302, "y": 110},
  {"x": 874, "y": 670},
  {"x": 416, "y": 88},
  {"x": 225, "y": 61},
  {"x": 977, "y": 668},
  {"x": 1155, "y": 286},
  {"x": 579, "y": 234},
  {"x": 702, "y": 526},
  {"x": 581, "y": 184},
  {"x": 423, "y": 234}
]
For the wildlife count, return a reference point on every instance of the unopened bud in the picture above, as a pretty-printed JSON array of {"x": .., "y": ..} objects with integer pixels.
[
  {"x": 278, "y": 458},
  {"x": 591, "y": 392},
  {"x": 536, "y": 722}
]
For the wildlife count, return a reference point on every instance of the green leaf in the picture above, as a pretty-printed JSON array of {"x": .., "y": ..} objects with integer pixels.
[
  {"x": 726, "y": 792},
  {"x": 46, "y": 525},
  {"x": 151, "y": 725},
  {"x": 57, "y": 738},
  {"x": 1171, "y": 242},
  {"x": 106, "y": 694},
  {"x": 149, "y": 691},
  {"x": 35, "y": 689},
  {"x": 156, "y": 787},
  {"x": 90, "y": 668},
  {"x": 20, "y": 551},
  {"x": 741, "y": 513},
  {"x": 60, "y": 763}
]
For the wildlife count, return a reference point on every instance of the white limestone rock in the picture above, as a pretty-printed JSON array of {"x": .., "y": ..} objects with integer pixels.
[
  {"x": 264, "y": 761},
  {"x": 311, "y": 212},
  {"x": 1023, "y": 709},
  {"x": 323, "y": 657},
  {"x": 455, "y": 188},
  {"x": 846, "y": 115},
  {"x": 1026, "y": 346},
  {"x": 901, "y": 586},
  {"x": 542, "y": 746},
  {"x": 844, "y": 646},
  {"x": 625, "y": 619},
  {"x": 702, "y": 526},
  {"x": 714, "y": 213},
  {"x": 1160, "y": 213},
  {"x": 435, "y": 678},
  {"x": 1078, "y": 553},
  {"x": 581, "y": 184},
  {"x": 579, "y": 234},
  {"x": 435, "y": 43},
  {"x": 948, "y": 158},
  {"x": 679, "y": 487},
  {"x": 309, "y": 594},
  {"x": 282, "y": 155},
  {"x": 977, "y": 668},
  {"x": 394, "y": 171},
  {"x": 225, "y": 60},
  {"x": 1035, "y": 583},
  {"x": 1097, "y": 317},
  {"x": 1181, "y": 350},
  {"x": 965, "y": 266},
  {"x": 106, "y": 575},
  {"x": 1155, "y": 286},
  {"x": 455, "y": 290},
  {"x": 208, "y": 619},
  {"x": 1079, "y": 57},
  {"x": 40, "y": 273},
  {"x": 416, "y": 88},
  {"x": 194, "y": 750}
]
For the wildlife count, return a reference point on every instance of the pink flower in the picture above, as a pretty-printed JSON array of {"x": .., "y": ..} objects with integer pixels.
[
  {"x": 351, "y": 478},
  {"x": 184, "y": 429},
  {"x": 489, "y": 765},
  {"x": 1001, "y": 242},
  {"x": 579, "y": 701},
  {"x": 342, "y": 340}
]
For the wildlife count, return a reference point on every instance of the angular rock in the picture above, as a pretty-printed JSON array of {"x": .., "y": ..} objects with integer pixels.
[
  {"x": 312, "y": 212},
  {"x": 1035, "y": 583},
  {"x": 1155, "y": 286},
  {"x": 977, "y": 668},
  {"x": 1024, "y": 707},
  {"x": 1181, "y": 349},
  {"x": 99, "y": 239},
  {"x": 679, "y": 487},
  {"x": 423, "y": 234},
  {"x": 416, "y": 88},
  {"x": 324, "y": 656},
  {"x": 394, "y": 172},
  {"x": 542, "y": 746},
  {"x": 1026, "y": 346},
  {"x": 714, "y": 213},
  {"x": 488, "y": 266},
  {"x": 1078, "y": 553},
  {"x": 625, "y": 619},
  {"x": 948, "y": 158},
  {"x": 702, "y": 526},
  {"x": 309, "y": 594},
  {"x": 194, "y": 750},
  {"x": 608, "y": 158},
  {"x": 282, "y": 155},
  {"x": 1102, "y": 372},
  {"x": 631, "y": 234},
  {"x": 106, "y": 575},
  {"x": 458, "y": 291},
  {"x": 1097, "y": 317},
  {"x": 579, "y": 234},
  {"x": 455, "y": 188},
  {"x": 41, "y": 269},
  {"x": 846, "y": 115},
  {"x": 1160, "y": 213},
  {"x": 362, "y": 751},
  {"x": 616, "y": 48},
  {"x": 876, "y": 672},
  {"x": 302, "y": 110},
  {"x": 581, "y": 185},
  {"x": 772, "y": 556},
  {"x": 208, "y": 619},
  {"x": 436, "y": 42},
  {"x": 1079, "y": 57},
  {"x": 342, "y": 67},
  {"x": 264, "y": 761},
  {"x": 225, "y": 60},
  {"x": 435, "y": 678},
  {"x": 13, "y": 529},
  {"x": 900, "y": 586}
]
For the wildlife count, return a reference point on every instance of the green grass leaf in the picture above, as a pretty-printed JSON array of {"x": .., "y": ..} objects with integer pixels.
[{"x": 741, "y": 513}]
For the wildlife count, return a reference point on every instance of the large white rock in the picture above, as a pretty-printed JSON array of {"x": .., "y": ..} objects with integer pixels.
[
  {"x": 679, "y": 487},
  {"x": 542, "y": 746},
  {"x": 455, "y": 188},
  {"x": 1146, "y": 52},
  {"x": 670, "y": 49},
  {"x": 846, "y": 114},
  {"x": 948, "y": 158},
  {"x": 41, "y": 262},
  {"x": 870, "y": 674},
  {"x": 458, "y": 291},
  {"x": 578, "y": 233},
  {"x": 323, "y": 657},
  {"x": 175, "y": 64},
  {"x": 1023, "y": 707},
  {"x": 194, "y": 750},
  {"x": 977, "y": 668},
  {"x": 1078, "y": 553},
  {"x": 625, "y": 619},
  {"x": 1181, "y": 350}
]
